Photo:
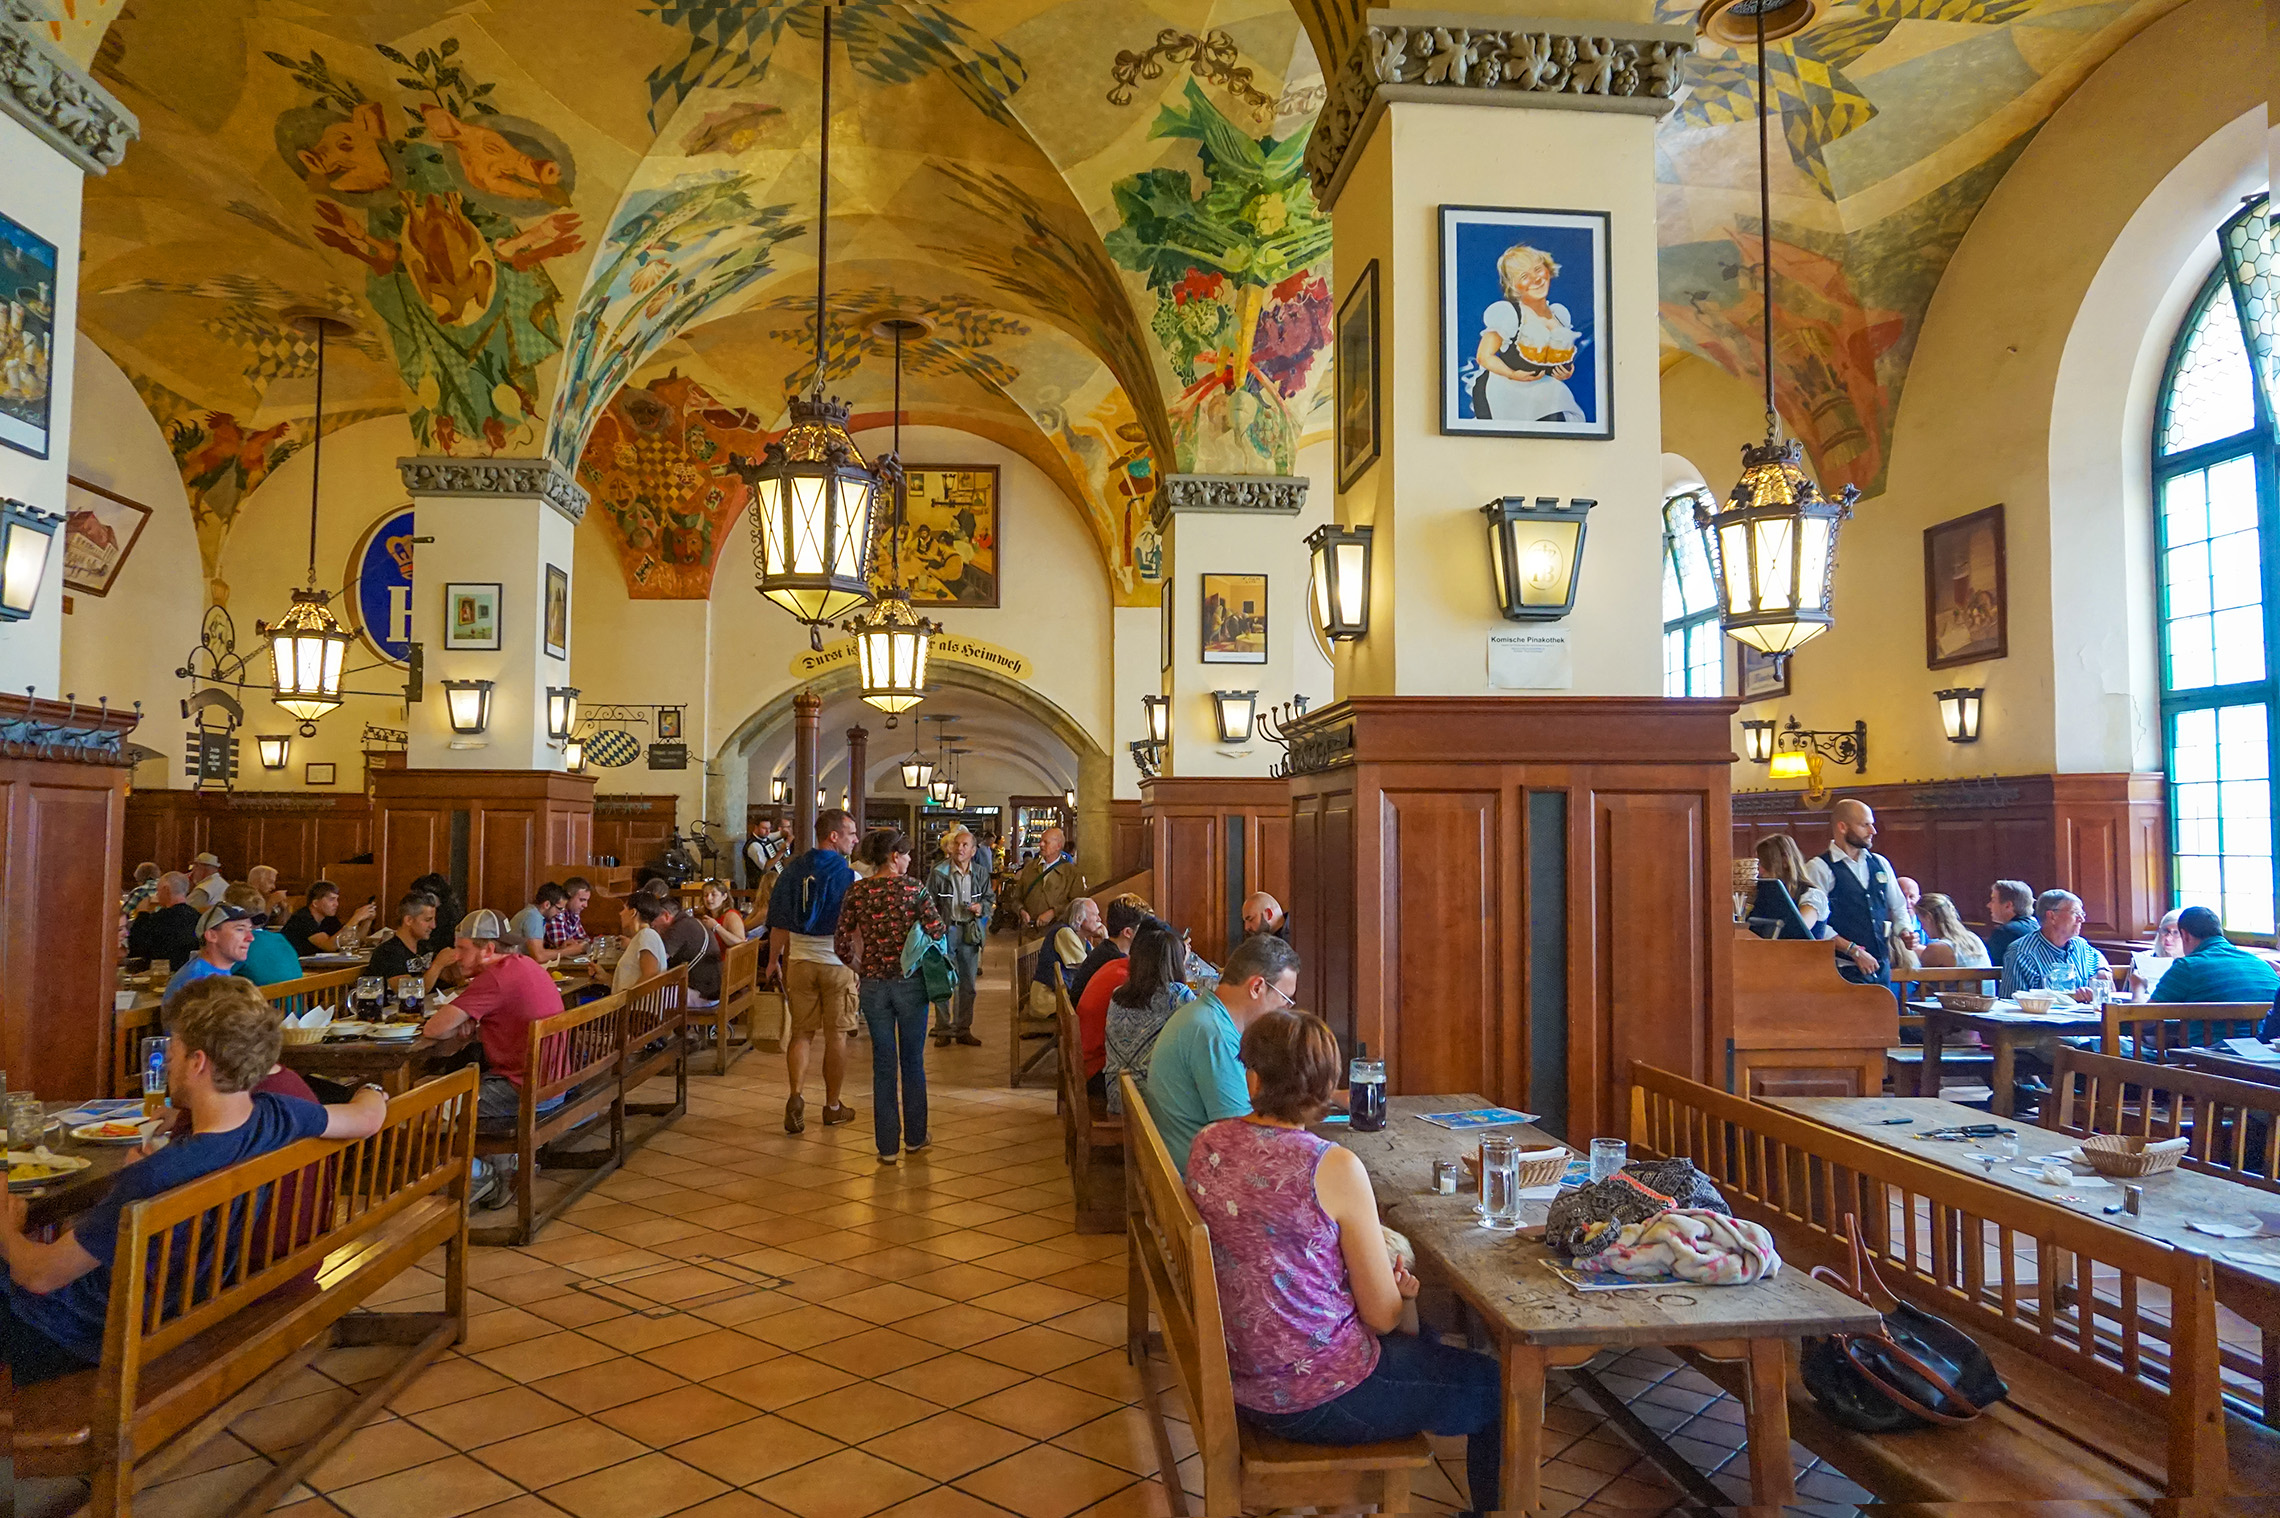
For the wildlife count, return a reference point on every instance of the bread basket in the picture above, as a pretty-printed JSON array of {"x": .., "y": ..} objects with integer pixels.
[
  {"x": 2040, "y": 1003},
  {"x": 1536, "y": 1167},
  {"x": 294, "y": 1037},
  {"x": 2131, "y": 1158},
  {"x": 1964, "y": 1001}
]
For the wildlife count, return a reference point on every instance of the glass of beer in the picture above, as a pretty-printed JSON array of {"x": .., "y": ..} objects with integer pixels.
[{"x": 154, "y": 1074}]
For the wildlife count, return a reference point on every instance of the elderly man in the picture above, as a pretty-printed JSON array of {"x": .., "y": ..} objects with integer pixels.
[
  {"x": 1064, "y": 952},
  {"x": 2213, "y": 967},
  {"x": 1863, "y": 891},
  {"x": 225, "y": 938},
  {"x": 2057, "y": 957},
  {"x": 169, "y": 930},
  {"x": 1041, "y": 893},
  {"x": 1263, "y": 914},
  {"x": 206, "y": 881}
]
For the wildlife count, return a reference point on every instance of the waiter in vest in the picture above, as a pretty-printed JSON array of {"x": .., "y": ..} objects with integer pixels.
[{"x": 1864, "y": 894}]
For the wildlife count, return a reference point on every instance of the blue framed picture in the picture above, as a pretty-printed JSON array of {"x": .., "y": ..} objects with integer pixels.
[
  {"x": 27, "y": 337},
  {"x": 1525, "y": 297}
]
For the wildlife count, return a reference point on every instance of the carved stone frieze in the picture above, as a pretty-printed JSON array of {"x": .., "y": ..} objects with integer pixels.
[
  {"x": 496, "y": 477},
  {"x": 1432, "y": 57},
  {"x": 55, "y": 99},
  {"x": 1279, "y": 495}
]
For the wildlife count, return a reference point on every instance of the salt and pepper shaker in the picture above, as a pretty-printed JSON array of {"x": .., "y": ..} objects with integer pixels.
[
  {"x": 2133, "y": 1197},
  {"x": 1445, "y": 1177}
]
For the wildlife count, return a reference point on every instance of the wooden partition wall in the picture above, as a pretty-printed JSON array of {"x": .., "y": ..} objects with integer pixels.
[
  {"x": 299, "y": 833},
  {"x": 1520, "y": 895},
  {"x": 1216, "y": 840},
  {"x": 495, "y": 834},
  {"x": 62, "y": 816},
  {"x": 632, "y": 829},
  {"x": 1132, "y": 846},
  {"x": 2103, "y": 837}
]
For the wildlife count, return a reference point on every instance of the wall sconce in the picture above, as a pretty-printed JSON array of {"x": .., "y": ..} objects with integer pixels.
[
  {"x": 1233, "y": 711},
  {"x": 1798, "y": 753},
  {"x": 1536, "y": 550},
  {"x": 561, "y": 712},
  {"x": 275, "y": 749},
  {"x": 778, "y": 789},
  {"x": 1757, "y": 740},
  {"x": 1341, "y": 562},
  {"x": 468, "y": 703},
  {"x": 1159, "y": 710},
  {"x": 1959, "y": 712},
  {"x": 1069, "y": 798},
  {"x": 574, "y": 755},
  {"x": 819, "y": 798},
  {"x": 27, "y": 537}
]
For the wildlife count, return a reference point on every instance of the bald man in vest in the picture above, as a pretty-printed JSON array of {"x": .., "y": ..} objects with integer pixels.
[{"x": 1864, "y": 894}]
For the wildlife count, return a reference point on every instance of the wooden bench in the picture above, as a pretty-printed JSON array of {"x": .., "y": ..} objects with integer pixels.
[
  {"x": 2107, "y": 1338},
  {"x": 1904, "y": 1066},
  {"x": 246, "y": 1274},
  {"x": 656, "y": 1040},
  {"x": 1243, "y": 1470},
  {"x": 1023, "y": 1028},
  {"x": 326, "y": 988},
  {"x": 2154, "y": 1028},
  {"x": 1093, "y": 1140},
  {"x": 739, "y": 1000}
]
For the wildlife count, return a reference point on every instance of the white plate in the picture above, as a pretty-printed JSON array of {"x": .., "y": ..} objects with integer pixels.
[
  {"x": 63, "y": 1164},
  {"x": 91, "y": 1133},
  {"x": 395, "y": 1033}
]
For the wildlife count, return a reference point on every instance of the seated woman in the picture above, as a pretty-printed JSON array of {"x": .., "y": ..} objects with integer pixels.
[
  {"x": 719, "y": 917},
  {"x": 1141, "y": 1004},
  {"x": 1308, "y": 1289},
  {"x": 1946, "y": 940},
  {"x": 1781, "y": 861}
]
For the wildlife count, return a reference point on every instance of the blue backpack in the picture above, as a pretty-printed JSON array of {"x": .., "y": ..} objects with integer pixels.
[{"x": 809, "y": 894}]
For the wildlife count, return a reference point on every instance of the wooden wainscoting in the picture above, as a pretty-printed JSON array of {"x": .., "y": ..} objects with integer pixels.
[
  {"x": 298, "y": 833},
  {"x": 633, "y": 829},
  {"x": 1216, "y": 840},
  {"x": 1132, "y": 846},
  {"x": 496, "y": 834},
  {"x": 2103, "y": 837}
]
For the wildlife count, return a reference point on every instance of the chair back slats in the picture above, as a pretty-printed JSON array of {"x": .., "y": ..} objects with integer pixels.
[
  {"x": 328, "y": 988},
  {"x": 2128, "y": 1315},
  {"x": 226, "y": 1240},
  {"x": 573, "y": 1047},
  {"x": 2231, "y": 1127},
  {"x": 740, "y": 978},
  {"x": 2155, "y": 1028},
  {"x": 655, "y": 1010}
]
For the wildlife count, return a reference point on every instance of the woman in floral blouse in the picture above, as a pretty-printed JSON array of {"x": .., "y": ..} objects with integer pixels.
[{"x": 873, "y": 924}]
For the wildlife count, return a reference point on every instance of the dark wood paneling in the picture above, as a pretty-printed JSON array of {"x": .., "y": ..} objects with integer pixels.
[
  {"x": 1131, "y": 850},
  {"x": 1321, "y": 907},
  {"x": 1441, "y": 909},
  {"x": 632, "y": 829},
  {"x": 1189, "y": 870},
  {"x": 299, "y": 835},
  {"x": 511, "y": 819},
  {"x": 1650, "y": 1004},
  {"x": 506, "y": 861},
  {"x": 1192, "y": 865}
]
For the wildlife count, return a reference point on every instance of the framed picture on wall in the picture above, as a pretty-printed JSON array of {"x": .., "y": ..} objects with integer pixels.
[
  {"x": 471, "y": 616},
  {"x": 99, "y": 531},
  {"x": 668, "y": 723},
  {"x": 1234, "y": 619},
  {"x": 1525, "y": 300},
  {"x": 27, "y": 337},
  {"x": 950, "y": 535},
  {"x": 317, "y": 773},
  {"x": 557, "y": 613},
  {"x": 1966, "y": 599},
  {"x": 1762, "y": 675},
  {"x": 1359, "y": 440}
]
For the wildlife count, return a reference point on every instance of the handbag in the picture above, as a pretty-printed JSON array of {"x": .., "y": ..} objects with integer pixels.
[
  {"x": 929, "y": 958},
  {"x": 971, "y": 932},
  {"x": 1916, "y": 1371}
]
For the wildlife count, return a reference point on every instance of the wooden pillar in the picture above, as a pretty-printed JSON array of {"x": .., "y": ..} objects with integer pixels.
[
  {"x": 1217, "y": 838},
  {"x": 858, "y": 770},
  {"x": 807, "y": 718}
]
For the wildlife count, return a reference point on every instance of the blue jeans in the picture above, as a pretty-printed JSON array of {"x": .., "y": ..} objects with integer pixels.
[
  {"x": 895, "y": 1012},
  {"x": 1419, "y": 1387}
]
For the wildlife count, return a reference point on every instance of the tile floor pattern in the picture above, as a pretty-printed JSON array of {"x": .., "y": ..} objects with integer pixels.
[{"x": 747, "y": 1324}]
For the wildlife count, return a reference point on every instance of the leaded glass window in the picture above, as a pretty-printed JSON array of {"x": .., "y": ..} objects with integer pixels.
[
  {"x": 2216, "y": 518},
  {"x": 1694, "y": 656}
]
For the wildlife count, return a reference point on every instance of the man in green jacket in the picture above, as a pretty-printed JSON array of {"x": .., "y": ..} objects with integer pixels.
[{"x": 2213, "y": 968}]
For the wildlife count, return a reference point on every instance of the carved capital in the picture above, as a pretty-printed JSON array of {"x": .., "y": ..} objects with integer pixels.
[
  {"x": 496, "y": 478},
  {"x": 1277, "y": 495},
  {"x": 57, "y": 100},
  {"x": 1474, "y": 60}
]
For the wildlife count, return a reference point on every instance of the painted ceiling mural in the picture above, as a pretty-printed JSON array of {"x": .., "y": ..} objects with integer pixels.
[{"x": 583, "y": 227}]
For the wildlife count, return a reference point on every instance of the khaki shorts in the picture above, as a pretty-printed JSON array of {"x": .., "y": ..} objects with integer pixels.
[{"x": 820, "y": 996}]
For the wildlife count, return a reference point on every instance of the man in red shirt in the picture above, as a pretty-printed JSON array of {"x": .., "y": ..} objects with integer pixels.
[{"x": 506, "y": 993}]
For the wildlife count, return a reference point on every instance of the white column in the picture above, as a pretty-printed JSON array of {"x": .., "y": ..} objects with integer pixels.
[{"x": 485, "y": 523}]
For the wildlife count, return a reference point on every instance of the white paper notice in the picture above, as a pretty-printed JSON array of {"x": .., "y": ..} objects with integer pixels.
[{"x": 1533, "y": 660}]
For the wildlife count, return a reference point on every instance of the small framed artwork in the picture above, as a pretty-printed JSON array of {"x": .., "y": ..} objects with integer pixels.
[
  {"x": 1525, "y": 298},
  {"x": 950, "y": 535},
  {"x": 1966, "y": 599},
  {"x": 27, "y": 337},
  {"x": 668, "y": 723},
  {"x": 1359, "y": 439},
  {"x": 471, "y": 616},
  {"x": 99, "y": 531},
  {"x": 1234, "y": 619},
  {"x": 316, "y": 772},
  {"x": 1763, "y": 675},
  {"x": 557, "y": 613}
]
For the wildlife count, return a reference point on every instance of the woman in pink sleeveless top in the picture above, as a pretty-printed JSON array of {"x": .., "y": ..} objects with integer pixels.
[{"x": 1309, "y": 1292}]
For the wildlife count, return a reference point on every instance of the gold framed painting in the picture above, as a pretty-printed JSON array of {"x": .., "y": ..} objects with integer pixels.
[
  {"x": 950, "y": 535},
  {"x": 1234, "y": 618}
]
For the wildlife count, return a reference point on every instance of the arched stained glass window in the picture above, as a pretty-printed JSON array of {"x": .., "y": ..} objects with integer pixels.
[
  {"x": 2218, "y": 527},
  {"x": 1694, "y": 656}
]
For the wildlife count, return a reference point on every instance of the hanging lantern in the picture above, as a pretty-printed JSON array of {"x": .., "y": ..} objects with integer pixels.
[
  {"x": 1535, "y": 550},
  {"x": 916, "y": 772},
  {"x": 307, "y": 651},
  {"x": 891, "y": 646},
  {"x": 1341, "y": 576},
  {"x": 1069, "y": 798},
  {"x": 27, "y": 537},
  {"x": 1773, "y": 549},
  {"x": 938, "y": 789},
  {"x": 275, "y": 749}
]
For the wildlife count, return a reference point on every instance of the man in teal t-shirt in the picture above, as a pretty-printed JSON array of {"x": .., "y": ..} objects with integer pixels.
[
  {"x": 225, "y": 933},
  {"x": 2213, "y": 967},
  {"x": 1195, "y": 1072}
]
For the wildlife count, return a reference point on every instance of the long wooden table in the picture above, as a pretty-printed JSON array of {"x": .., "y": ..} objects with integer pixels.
[
  {"x": 66, "y": 1197},
  {"x": 2004, "y": 1031},
  {"x": 1539, "y": 1321},
  {"x": 2224, "y": 1062}
]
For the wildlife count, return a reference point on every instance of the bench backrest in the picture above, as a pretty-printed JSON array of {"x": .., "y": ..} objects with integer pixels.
[
  {"x": 740, "y": 978},
  {"x": 1173, "y": 1248},
  {"x": 326, "y": 988},
  {"x": 572, "y": 1048},
  {"x": 2071, "y": 1290},
  {"x": 191, "y": 1257},
  {"x": 2232, "y": 1126},
  {"x": 655, "y": 1008},
  {"x": 2155, "y": 1028}
]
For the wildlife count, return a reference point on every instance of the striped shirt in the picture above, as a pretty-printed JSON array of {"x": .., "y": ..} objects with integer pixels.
[{"x": 2027, "y": 967}]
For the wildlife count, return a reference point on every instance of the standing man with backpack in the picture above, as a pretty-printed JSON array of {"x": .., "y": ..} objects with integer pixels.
[{"x": 819, "y": 989}]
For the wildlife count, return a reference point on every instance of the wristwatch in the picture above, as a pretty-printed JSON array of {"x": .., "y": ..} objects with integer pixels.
[{"x": 376, "y": 1086}]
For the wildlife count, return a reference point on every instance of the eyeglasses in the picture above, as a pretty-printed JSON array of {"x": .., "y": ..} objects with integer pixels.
[{"x": 1288, "y": 1000}]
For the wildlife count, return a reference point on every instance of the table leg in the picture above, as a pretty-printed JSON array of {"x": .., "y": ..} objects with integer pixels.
[
  {"x": 2005, "y": 1055},
  {"x": 1773, "y": 1484},
  {"x": 1523, "y": 1427},
  {"x": 1935, "y": 1034}
]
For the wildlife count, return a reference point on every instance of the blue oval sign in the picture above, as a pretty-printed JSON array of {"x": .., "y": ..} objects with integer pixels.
[{"x": 379, "y": 590}]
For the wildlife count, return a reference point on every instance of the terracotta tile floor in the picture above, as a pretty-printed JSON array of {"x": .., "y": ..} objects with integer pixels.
[{"x": 829, "y": 1339}]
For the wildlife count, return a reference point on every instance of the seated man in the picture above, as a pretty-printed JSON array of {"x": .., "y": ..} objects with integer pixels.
[
  {"x": 2213, "y": 967},
  {"x": 168, "y": 932},
  {"x": 566, "y": 929},
  {"x": 404, "y": 950},
  {"x": 1263, "y": 914},
  {"x": 2011, "y": 911},
  {"x": 1195, "y": 1072},
  {"x": 207, "y": 882},
  {"x": 315, "y": 929},
  {"x": 689, "y": 942},
  {"x": 141, "y": 896},
  {"x": 2056, "y": 957},
  {"x": 269, "y": 959},
  {"x": 506, "y": 993},
  {"x": 225, "y": 936},
  {"x": 55, "y": 1297},
  {"x": 1063, "y": 951},
  {"x": 529, "y": 929}
]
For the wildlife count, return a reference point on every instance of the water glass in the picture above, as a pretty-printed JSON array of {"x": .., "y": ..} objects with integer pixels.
[
  {"x": 1608, "y": 1157},
  {"x": 27, "y": 1120},
  {"x": 1500, "y": 1183}
]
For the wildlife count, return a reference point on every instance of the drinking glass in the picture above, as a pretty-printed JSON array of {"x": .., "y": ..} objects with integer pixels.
[
  {"x": 408, "y": 994},
  {"x": 1500, "y": 1183},
  {"x": 27, "y": 1120},
  {"x": 370, "y": 995},
  {"x": 154, "y": 1074},
  {"x": 1608, "y": 1157}
]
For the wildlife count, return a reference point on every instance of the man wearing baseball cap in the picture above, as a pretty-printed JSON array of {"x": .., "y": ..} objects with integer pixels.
[
  {"x": 507, "y": 991},
  {"x": 207, "y": 882},
  {"x": 225, "y": 936}
]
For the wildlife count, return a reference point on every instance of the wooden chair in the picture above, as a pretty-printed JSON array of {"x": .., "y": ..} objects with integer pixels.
[
  {"x": 2155, "y": 1028},
  {"x": 128, "y": 1030},
  {"x": 739, "y": 999},
  {"x": 1243, "y": 1470},
  {"x": 327, "y": 988},
  {"x": 579, "y": 1056},
  {"x": 233, "y": 1282},
  {"x": 1092, "y": 1141}
]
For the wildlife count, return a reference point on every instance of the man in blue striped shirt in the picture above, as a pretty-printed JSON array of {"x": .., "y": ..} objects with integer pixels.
[{"x": 2056, "y": 957}]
